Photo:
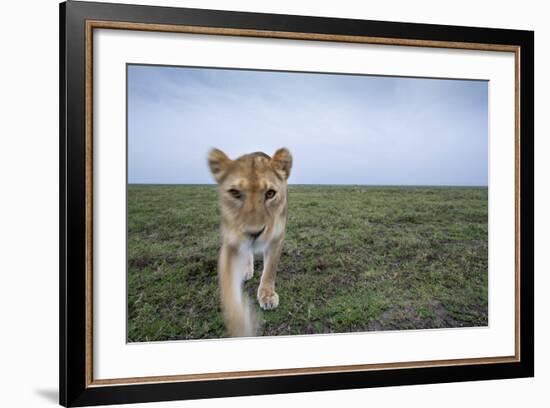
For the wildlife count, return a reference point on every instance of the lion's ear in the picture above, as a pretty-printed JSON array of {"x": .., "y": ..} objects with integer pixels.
[
  {"x": 282, "y": 162},
  {"x": 218, "y": 163}
]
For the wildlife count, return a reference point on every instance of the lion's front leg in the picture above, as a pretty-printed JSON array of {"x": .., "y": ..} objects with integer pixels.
[
  {"x": 267, "y": 297},
  {"x": 239, "y": 319}
]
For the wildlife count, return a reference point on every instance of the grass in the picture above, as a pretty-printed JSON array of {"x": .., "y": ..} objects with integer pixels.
[{"x": 355, "y": 259}]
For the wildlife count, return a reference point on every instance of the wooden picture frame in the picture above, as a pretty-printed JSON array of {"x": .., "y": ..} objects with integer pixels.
[{"x": 78, "y": 20}]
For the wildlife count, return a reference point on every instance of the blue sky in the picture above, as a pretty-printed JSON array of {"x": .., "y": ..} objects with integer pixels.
[{"x": 341, "y": 129}]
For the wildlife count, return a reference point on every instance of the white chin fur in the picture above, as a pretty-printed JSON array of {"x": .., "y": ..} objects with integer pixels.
[{"x": 256, "y": 246}]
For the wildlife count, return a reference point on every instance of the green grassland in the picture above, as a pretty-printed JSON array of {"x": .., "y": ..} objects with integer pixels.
[{"x": 355, "y": 258}]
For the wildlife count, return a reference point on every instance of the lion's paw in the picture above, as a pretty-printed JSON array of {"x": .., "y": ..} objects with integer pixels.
[{"x": 268, "y": 299}]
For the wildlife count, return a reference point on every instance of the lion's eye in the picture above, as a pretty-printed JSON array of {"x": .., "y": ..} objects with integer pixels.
[
  {"x": 270, "y": 194},
  {"x": 235, "y": 193}
]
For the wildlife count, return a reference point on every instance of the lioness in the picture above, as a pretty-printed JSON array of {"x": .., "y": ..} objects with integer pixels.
[{"x": 253, "y": 205}]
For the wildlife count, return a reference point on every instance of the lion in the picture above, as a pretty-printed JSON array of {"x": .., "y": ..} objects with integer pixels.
[{"x": 253, "y": 201}]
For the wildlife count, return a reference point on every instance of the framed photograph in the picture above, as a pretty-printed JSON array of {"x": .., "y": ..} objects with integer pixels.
[{"x": 256, "y": 203}]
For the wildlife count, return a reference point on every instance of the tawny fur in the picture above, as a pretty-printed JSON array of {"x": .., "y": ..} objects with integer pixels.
[{"x": 253, "y": 198}]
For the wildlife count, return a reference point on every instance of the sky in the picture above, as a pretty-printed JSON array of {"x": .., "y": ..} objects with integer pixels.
[{"x": 340, "y": 129}]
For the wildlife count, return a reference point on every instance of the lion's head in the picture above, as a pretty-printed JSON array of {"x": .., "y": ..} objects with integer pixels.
[{"x": 253, "y": 194}]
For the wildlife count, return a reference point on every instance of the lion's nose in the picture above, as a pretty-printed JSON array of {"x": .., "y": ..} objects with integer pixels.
[{"x": 255, "y": 234}]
